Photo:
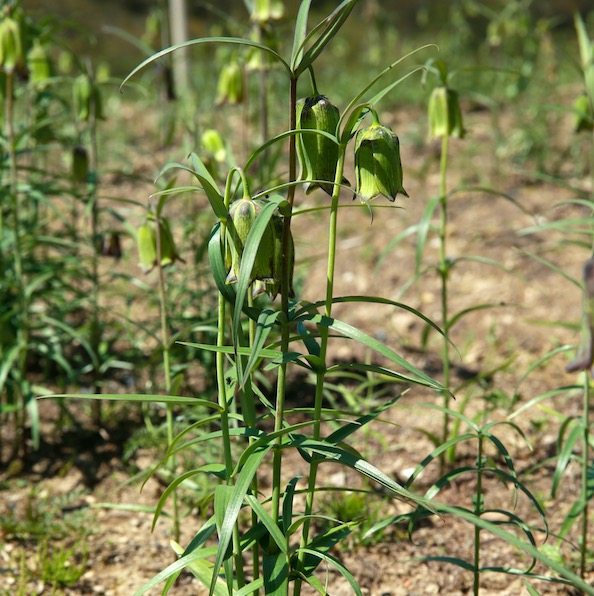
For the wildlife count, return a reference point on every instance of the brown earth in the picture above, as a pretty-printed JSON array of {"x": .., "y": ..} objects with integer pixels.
[{"x": 83, "y": 469}]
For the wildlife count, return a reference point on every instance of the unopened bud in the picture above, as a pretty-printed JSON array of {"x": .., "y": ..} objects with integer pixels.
[
  {"x": 11, "y": 45},
  {"x": 214, "y": 145},
  {"x": 274, "y": 286},
  {"x": 318, "y": 155},
  {"x": 230, "y": 86},
  {"x": 377, "y": 163},
  {"x": 80, "y": 164},
  {"x": 264, "y": 11},
  {"x": 38, "y": 64},
  {"x": 445, "y": 116},
  {"x": 87, "y": 98},
  {"x": 243, "y": 214},
  {"x": 146, "y": 238}
]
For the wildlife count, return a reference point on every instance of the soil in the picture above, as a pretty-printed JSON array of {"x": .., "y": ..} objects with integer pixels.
[{"x": 533, "y": 310}]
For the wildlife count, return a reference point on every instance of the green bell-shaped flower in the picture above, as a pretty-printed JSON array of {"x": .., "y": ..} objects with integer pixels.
[
  {"x": 377, "y": 163},
  {"x": 11, "y": 45},
  {"x": 445, "y": 116},
  {"x": 146, "y": 239},
  {"x": 243, "y": 214},
  {"x": 318, "y": 155}
]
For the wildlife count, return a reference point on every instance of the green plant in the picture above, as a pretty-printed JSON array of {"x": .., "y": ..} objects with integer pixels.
[{"x": 251, "y": 252}]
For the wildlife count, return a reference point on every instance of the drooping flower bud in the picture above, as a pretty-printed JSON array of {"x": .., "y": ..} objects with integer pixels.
[
  {"x": 87, "y": 98},
  {"x": 215, "y": 146},
  {"x": 264, "y": 11},
  {"x": 38, "y": 64},
  {"x": 146, "y": 237},
  {"x": 583, "y": 118},
  {"x": 243, "y": 214},
  {"x": 445, "y": 116},
  {"x": 272, "y": 288},
  {"x": 377, "y": 163},
  {"x": 317, "y": 154},
  {"x": 112, "y": 246},
  {"x": 80, "y": 164},
  {"x": 11, "y": 45},
  {"x": 230, "y": 85},
  {"x": 146, "y": 240}
]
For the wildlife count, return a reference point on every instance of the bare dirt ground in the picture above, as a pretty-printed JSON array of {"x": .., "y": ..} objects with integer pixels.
[{"x": 84, "y": 468}]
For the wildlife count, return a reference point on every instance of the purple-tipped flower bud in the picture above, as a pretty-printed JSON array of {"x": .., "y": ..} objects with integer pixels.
[{"x": 377, "y": 163}]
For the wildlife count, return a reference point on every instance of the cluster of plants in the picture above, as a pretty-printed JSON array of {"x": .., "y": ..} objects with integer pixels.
[{"x": 254, "y": 334}]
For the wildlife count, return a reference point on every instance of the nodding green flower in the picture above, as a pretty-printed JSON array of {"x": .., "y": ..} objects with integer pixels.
[
  {"x": 445, "y": 116},
  {"x": 87, "y": 98},
  {"x": 230, "y": 85},
  {"x": 377, "y": 163},
  {"x": 146, "y": 238},
  {"x": 318, "y": 155},
  {"x": 38, "y": 64},
  {"x": 213, "y": 143},
  {"x": 243, "y": 214},
  {"x": 272, "y": 288},
  {"x": 583, "y": 118},
  {"x": 264, "y": 11},
  {"x": 80, "y": 164},
  {"x": 11, "y": 45}
]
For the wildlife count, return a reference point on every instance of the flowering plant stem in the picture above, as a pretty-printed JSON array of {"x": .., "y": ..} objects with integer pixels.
[
  {"x": 444, "y": 270},
  {"x": 166, "y": 347},
  {"x": 478, "y": 511},
  {"x": 585, "y": 497},
  {"x": 321, "y": 374},
  {"x": 23, "y": 302},
  {"x": 285, "y": 289}
]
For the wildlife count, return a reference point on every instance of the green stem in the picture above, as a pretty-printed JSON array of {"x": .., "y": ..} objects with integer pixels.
[
  {"x": 279, "y": 414},
  {"x": 224, "y": 404},
  {"x": 254, "y": 486},
  {"x": 321, "y": 374},
  {"x": 95, "y": 338},
  {"x": 585, "y": 469},
  {"x": 444, "y": 274},
  {"x": 166, "y": 346},
  {"x": 19, "y": 279},
  {"x": 478, "y": 511}
]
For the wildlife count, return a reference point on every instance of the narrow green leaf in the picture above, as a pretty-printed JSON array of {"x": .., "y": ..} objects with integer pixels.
[
  {"x": 347, "y": 330},
  {"x": 133, "y": 397},
  {"x": 338, "y": 566},
  {"x": 273, "y": 529},
  {"x": 203, "y": 571},
  {"x": 300, "y": 32},
  {"x": 288, "y": 504},
  {"x": 264, "y": 326},
  {"x": 240, "y": 490},
  {"x": 205, "y": 40},
  {"x": 331, "y": 25},
  {"x": 275, "y": 569}
]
